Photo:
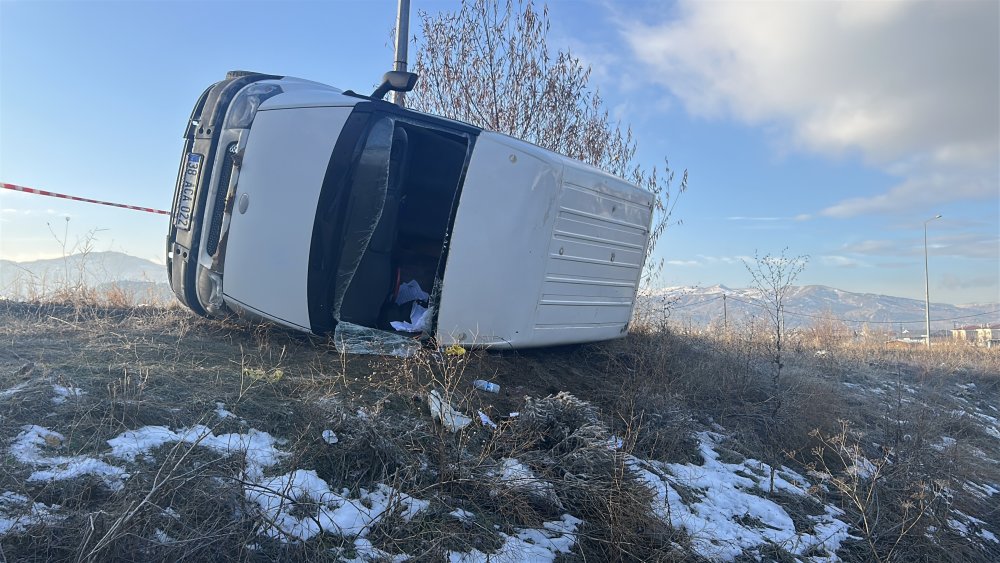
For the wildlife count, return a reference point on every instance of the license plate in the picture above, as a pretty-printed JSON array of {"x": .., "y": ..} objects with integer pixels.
[{"x": 189, "y": 184}]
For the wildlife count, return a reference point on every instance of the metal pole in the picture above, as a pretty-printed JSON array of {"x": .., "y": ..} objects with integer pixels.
[
  {"x": 402, "y": 41},
  {"x": 927, "y": 287}
]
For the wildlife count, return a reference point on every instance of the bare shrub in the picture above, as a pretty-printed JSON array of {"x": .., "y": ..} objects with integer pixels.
[{"x": 488, "y": 63}]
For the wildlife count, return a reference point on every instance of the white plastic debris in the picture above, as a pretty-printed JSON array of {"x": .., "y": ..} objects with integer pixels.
[
  {"x": 330, "y": 437},
  {"x": 418, "y": 320},
  {"x": 485, "y": 419},
  {"x": 487, "y": 386},
  {"x": 449, "y": 417}
]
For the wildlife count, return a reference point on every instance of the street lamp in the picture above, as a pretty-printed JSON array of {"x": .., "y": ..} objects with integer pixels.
[{"x": 927, "y": 285}]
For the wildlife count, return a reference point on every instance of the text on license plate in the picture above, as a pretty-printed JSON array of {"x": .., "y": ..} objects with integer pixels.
[{"x": 189, "y": 184}]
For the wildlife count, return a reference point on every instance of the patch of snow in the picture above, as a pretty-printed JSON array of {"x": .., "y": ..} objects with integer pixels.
[
  {"x": 989, "y": 536},
  {"x": 220, "y": 410},
  {"x": 863, "y": 467},
  {"x": 520, "y": 477},
  {"x": 530, "y": 545},
  {"x": 162, "y": 537},
  {"x": 258, "y": 447},
  {"x": 728, "y": 518},
  {"x": 63, "y": 393},
  {"x": 317, "y": 509},
  {"x": 14, "y": 390},
  {"x": 18, "y": 513},
  {"x": 441, "y": 410},
  {"x": 27, "y": 449},
  {"x": 959, "y": 527},
  {"x": 369, "y": 553},
  {"x": 983, "y": 491},
  {"x": 462, "y": 515},
  {"x": 330, "y": 437},
  {"x": 945, "y": 443}
]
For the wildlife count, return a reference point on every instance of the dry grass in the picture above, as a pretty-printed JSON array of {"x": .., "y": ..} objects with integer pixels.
[{"x": 653, "y": 390}]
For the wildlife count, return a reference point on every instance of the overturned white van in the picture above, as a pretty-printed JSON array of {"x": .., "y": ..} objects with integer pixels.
[{"x": 324, "y": 210}]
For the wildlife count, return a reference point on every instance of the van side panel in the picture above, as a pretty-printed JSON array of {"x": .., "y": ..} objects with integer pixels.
[{"x": 267, "y": 258}]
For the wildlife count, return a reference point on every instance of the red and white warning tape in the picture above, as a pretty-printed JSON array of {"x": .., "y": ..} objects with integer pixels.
[{"x": 17, "y": 188}]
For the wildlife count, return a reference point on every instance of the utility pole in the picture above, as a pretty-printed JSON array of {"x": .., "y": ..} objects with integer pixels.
[
  {"x": 927, "y": 284},
  {"x": 402, "y": 41}
]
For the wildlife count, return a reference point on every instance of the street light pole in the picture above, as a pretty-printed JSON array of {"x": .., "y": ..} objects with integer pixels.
[
  {"x": 927, "y": 286},
  {"x": 402, "y": 41}
]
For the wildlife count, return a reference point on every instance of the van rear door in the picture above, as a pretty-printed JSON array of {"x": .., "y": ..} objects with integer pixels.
[{"x": 267, "y": 255}]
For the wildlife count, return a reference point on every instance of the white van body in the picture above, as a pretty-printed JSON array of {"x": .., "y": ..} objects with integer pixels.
[{"x": 312, "y": 212}]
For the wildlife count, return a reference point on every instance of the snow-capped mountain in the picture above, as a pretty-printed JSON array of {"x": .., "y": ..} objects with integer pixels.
[{"x": 806, "y": 305}]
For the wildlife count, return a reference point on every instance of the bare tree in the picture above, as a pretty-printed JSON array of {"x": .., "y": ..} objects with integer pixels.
[
  {"x": 488, "y": 64},
  {"x": 773, "y": 277}
]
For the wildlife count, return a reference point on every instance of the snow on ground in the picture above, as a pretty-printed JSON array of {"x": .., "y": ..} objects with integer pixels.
[
  {"x": 730, "y": 514},
  {"x": 14, "y": 390},
  {"x": 18, "y": 512},
  {"x": 221, "y": 412},
  {"x": 29, "y": 449},
  {"x": 514, "y": 474},
  {"x": 983, "y": 490},
  {"x": 258, "y": 447},
  {"x": 63, "y": 393},
  {"x": 963, "y": 524},
  {"x": 540, "y": 545},
  {"x": 318, "y": 509}
]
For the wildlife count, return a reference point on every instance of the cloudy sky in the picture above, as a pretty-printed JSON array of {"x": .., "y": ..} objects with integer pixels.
[{"x": 833, "y": 129}]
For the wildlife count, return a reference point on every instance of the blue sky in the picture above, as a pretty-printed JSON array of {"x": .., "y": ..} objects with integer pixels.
[{"x": 833, "y": 129}]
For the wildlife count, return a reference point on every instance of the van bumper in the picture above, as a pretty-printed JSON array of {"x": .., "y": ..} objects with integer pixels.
[{"x": 194, "y": 274}]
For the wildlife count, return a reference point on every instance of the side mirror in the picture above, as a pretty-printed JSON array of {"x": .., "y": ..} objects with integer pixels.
[{"x": 397, "y": 81}]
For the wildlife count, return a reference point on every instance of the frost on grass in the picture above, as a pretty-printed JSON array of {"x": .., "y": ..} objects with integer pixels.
[
  {"x": 534, "y": 545},
  {"x": 728, "y": 518}
]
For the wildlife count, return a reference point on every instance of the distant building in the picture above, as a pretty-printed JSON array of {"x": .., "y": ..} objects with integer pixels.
[
  {"x": 987, "y": 335},
  {"x": 964, "y": 334}
]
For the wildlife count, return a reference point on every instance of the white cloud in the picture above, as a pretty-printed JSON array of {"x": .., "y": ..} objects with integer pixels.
[
  {"x": 841, "y": 261},
  {"x": 974, "y": 245},
  {"x": 683, "y": 262},
  {"x": 911, "y": 86},
  {"x": 919, "y": 192}
]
